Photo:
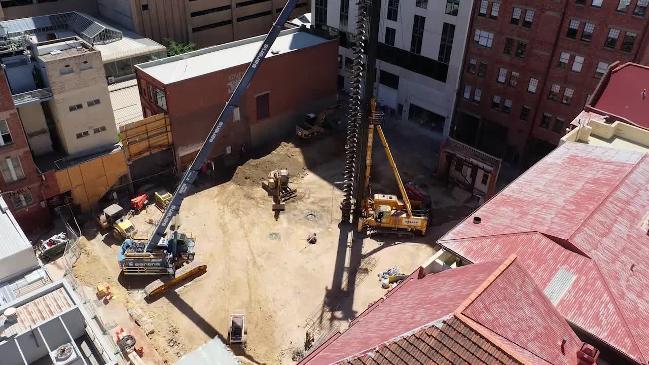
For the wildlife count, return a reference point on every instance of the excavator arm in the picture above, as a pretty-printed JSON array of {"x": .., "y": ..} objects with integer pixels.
[
  {"x": 393, "y": 164},
  {"x": 226, "y": 114}
]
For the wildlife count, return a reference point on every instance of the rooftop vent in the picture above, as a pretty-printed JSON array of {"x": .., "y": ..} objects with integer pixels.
[{"x": 477, "y": 220}]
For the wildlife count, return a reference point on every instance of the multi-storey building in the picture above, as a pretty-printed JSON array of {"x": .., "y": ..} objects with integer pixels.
[
  {"x": 14, "y": 9},
  {"x": 20, "y": 178},
  {"x": 202, "y": 22},
  {"x": 421, "y": 45},
  {"x": 530, "y": 67}
]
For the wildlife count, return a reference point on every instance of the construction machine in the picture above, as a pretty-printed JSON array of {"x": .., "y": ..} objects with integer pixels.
[
  {"x": 114, "y": 217},
  {"x": 314, "y": 125},
  {"x": 386, "y": 213},
  {"x": 169, "y": 251},
  {"x": 277, "y": 187}
]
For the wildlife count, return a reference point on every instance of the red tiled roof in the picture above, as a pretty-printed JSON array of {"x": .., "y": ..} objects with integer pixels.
[
  {"x": 622, "y": 94},
  {"x": 589, "y": 204},
  {"x": 491, "y": 311}
]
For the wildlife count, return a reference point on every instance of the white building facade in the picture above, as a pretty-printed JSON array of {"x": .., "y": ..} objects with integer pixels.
[{"x": 421, "y": 48}]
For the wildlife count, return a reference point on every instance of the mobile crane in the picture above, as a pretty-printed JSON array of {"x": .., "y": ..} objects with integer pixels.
[{"x": 167, "y": 250}]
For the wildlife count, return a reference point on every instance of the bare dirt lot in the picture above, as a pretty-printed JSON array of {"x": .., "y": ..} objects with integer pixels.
[{"x": 264, "y": 267}]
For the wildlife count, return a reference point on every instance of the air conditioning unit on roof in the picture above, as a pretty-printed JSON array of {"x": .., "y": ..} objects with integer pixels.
[{"x": 64, "y": 355}]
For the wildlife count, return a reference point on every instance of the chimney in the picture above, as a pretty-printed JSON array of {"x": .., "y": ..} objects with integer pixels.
[{"x": 587, "y": 355}]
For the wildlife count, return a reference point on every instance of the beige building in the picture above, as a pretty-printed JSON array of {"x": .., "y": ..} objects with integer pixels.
[
  {"x": 80, "y": 104},
  {"x": 13, "y": 9},
  {"x": 594, "y": 129},
  {"x": 202, "y": 22}
]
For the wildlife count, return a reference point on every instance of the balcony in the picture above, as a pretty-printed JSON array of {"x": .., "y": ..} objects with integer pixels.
[{"x": 33, "y": 96}]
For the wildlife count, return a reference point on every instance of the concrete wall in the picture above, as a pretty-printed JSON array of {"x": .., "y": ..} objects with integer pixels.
[
  {"x": 44, "y": 8},
  {"x": 80, "y": 87},
  {"x": 36, "y": 129},
  {"x": 118, "y": 12},
  {"x": 192, "y": 111}
]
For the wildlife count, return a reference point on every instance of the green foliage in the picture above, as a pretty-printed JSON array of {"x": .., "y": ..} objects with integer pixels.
[{"x": 175, "y": 48}]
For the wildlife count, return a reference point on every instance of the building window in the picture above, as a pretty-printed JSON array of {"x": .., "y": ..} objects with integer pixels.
[
  {"x": 467, "y": 92},
  {"x": 516, "y": 15},
  {"x": 567, "y": 95},
  {"x": 93, "y": 102},
  {"x": 417, "y": 34},
  {"x": 611, "y": 39},
  {"x": 5, "y": 134},
  {"x": 482, "y": 69},
  {"x": 587, "y": 34},
  {"x": 263, "y": 106},
  {"x": 513, "y": 79},
  {"x": 452, "y": 7},
  {"x": 509, "y": 44},
  {"x": 446, "y": 43},
  {"x": 495, "y": 102},
  {"x": 554, "y": 92},
  {"x": 641, "y": 7},
  {"x": 564, "y": 58},
  {"x": 393, "y": 10},
  {"x": 596, "y": 3},
  {"x": 628, "y": 41},
  {"x": 545, "y": 120},
  {"x": 66, "y": 70},
  {"x": 99, "y": 130},
  {"x": 507, "y": 106},
  {"x": 623, "y": 5},
  {"x": 75, "y": 107},
  {"x": 521, "y": 48},
  {"x": 495, "y": 8},
  {"x": 145, "y": 7},
  {"x": 160, "y": 99},
  {"x": 502, "y": 75},
  {"x": 11, "y": 169},
  {"x": 477, "y": 94},
  {"x": 320, "y": 12},
  {"x": 22, "y": 199},
  {"x": 472, "y": 66},
  {"x": 529, "y": 19},
  {"x": 485, "y": 179},
  {"x": 389, "y": 79},
  {"x": 602, "y": 67},
  {"x": 422, "y": 4},
  {"x": 573, "y": 27},
  {"x": 534, "y": 83},
  {"x": 344, "y": 12},
  {"x": 484, "y": 38},
  {"x": 484, "y": 6},
  {"x": 390, "y": 36},
  {"x": 578, "y": 63},
  {"x": 83, "y": 134},
  {"x": 558, "y": 125},
  {"x": 525, "y": 113}
]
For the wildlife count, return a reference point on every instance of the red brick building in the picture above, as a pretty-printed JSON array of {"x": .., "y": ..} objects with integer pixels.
[
  {"x": 524, "y": 81},
  {"x": 20, "y": 178},
  {"x": 297, "y": 77}
]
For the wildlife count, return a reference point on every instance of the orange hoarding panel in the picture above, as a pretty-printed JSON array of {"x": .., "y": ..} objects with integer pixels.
[{"x": 145, "y": 137}]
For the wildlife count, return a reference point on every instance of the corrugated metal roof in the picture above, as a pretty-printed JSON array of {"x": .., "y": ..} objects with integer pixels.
[
  {"x": 593, "y": 201},
  {"x": 491, "y": 312}
]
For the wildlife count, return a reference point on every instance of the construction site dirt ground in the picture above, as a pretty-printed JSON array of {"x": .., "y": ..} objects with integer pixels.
[{"x": 264, "y": 267}]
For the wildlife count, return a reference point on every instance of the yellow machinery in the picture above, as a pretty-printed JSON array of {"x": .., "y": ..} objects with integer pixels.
[
  {"x": 383, "y": 213},
  {"x": 114, "y": 216},
  {"x": 277, "y": 187}
]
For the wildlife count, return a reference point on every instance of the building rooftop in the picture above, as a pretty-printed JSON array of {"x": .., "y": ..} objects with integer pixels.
[
  {"x": 16, "y": 252},
  {"x": 624, "y": 93},
  {"x": 62, "y": 48},
  {"x": 592, "y": 128},
  {"x": 578, "y": 221},
  {"x": 125, "y": 99},
  {"x": 212, "y": 59},
  {"x": 484, "y": 313}
]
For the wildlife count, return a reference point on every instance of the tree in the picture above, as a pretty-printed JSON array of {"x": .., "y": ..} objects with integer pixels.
[{"x": 175, "y": 48}]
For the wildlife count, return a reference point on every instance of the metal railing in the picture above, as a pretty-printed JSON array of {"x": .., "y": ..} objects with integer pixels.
[
  {"x": 99, "y": 335},
  {"x": 33, "y": 96}
]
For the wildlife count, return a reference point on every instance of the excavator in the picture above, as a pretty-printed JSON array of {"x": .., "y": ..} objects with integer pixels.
[
  {"x": 168, "y": 251},
  {"x": 386, "y": 213}
]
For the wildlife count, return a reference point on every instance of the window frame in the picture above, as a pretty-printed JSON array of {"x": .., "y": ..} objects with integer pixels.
[{"x": 6, "y": 132}]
